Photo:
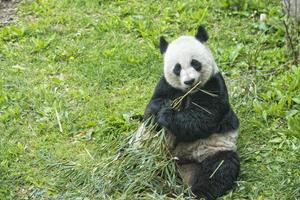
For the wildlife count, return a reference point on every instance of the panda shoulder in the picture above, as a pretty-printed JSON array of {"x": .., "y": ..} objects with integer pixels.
[
  {"x": 164, "y": 88},
  {"x": 216, "y": 83}
]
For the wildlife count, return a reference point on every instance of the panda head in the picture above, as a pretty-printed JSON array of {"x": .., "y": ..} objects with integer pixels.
[{"x": 187, "y": 60}]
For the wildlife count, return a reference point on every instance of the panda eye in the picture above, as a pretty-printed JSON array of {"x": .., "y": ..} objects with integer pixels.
[
  {"x": 177, "y": 69},
  {"x": 196, "y": 64}
]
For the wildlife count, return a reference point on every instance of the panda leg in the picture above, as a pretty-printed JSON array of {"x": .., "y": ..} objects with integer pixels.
[{"x": 216, "y": 175}]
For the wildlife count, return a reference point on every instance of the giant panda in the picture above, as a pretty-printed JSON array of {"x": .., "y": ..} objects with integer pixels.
[{"x": 202, "y": 134}]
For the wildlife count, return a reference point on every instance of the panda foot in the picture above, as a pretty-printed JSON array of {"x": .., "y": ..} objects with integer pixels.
[{"x": 216, "y": 175}]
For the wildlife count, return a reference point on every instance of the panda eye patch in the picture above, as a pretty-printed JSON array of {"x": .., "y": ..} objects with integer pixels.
[
  {"x": 177, "y": 69},
  {"x": 196, "y": 64}
]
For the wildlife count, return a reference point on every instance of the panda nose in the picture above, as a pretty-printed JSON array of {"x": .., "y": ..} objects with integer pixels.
[{"x": 190, "y": 82}]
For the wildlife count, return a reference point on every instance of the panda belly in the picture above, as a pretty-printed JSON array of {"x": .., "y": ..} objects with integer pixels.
[
  {"x": 200, "y": 149},
  {"x": 191, "y": 154},
  {"x": 195, "y": 151}
]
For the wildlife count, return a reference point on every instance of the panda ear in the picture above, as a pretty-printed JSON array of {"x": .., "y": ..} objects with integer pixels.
[
  {"x": 201, "y": 35},
  {"x": 163, "y": 45}
]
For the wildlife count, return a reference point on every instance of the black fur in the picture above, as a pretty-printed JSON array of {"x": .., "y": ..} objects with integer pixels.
[
  {"x": 163, "y": 45},
  {"x": 191, "y": 122},
  {"x": 216, "y": 175},
  {"x": 162, "y": 97},
  {"x": 201, "y": 34}
]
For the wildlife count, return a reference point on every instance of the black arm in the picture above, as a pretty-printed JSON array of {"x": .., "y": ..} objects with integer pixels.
[
  {"x": 154, "y": 106},
  {"x": 193, "y": 122},
  {"x": 162, "y": 97}
]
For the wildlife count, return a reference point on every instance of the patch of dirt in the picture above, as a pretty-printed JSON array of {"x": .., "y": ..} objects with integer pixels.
[{"x": 8, "y": 9}]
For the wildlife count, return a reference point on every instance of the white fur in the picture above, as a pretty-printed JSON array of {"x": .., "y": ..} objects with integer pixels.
[
  {"x": 197, "y": 150},
  {"x": 202, "y": 148},
  {"x": 182, "y": 51}
]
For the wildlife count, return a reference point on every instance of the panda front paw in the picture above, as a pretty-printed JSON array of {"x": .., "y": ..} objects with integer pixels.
[{"x": 165, "y": 116}]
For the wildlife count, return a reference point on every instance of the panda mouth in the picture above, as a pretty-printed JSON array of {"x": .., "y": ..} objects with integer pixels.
[
  {"x": 190, "y": 82},
  {"x": 188, "y": 87},
  {"x": 192, "y": 87}
]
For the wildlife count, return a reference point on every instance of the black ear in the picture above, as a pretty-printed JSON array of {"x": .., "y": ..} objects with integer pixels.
[
  {"x": 201, "y": 35},
  {"x": 163, "y": 45}
]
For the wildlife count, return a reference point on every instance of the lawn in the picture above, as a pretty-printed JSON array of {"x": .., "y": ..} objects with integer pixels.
[{"x": 75, "y": 72}]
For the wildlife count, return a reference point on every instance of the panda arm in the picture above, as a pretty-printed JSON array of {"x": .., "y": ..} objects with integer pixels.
[
  {"x": 192, "y": 123},
  {"x": 154, "y": 106},
  {"x": 161, "y": 98}
]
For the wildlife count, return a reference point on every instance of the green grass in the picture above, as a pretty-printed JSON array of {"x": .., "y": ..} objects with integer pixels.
[{"x": 91, "y": 65}]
